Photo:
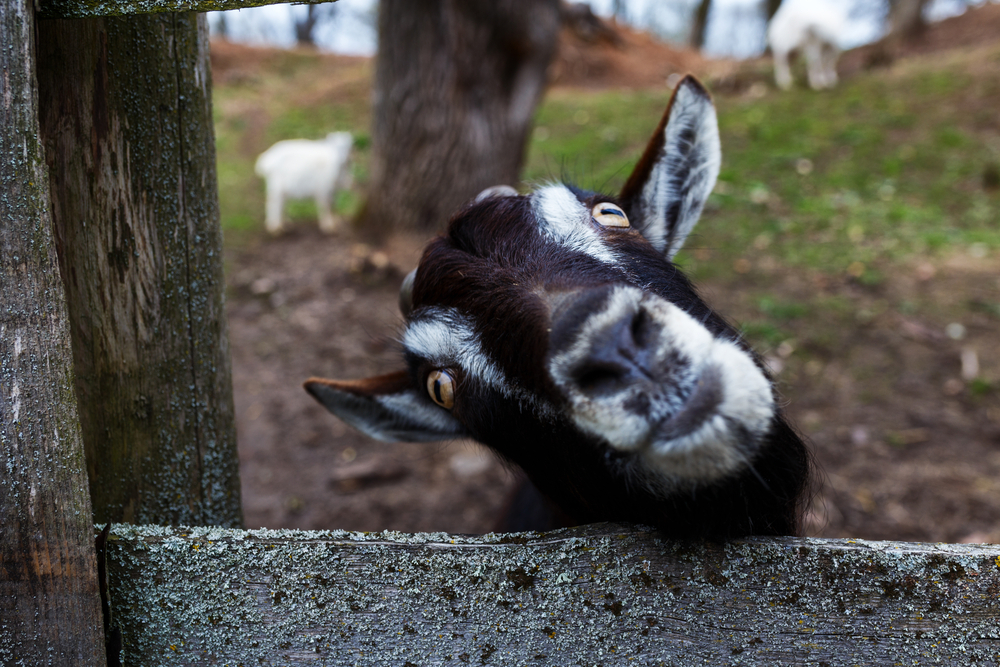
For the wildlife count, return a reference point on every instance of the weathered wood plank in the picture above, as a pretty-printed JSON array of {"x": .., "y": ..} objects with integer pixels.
[
  {"x": 594, "y": 595},
  {"x": 75, "y": 9},
  {"x": 126, "y": 118},
  {"x": 49, "y": 606}
]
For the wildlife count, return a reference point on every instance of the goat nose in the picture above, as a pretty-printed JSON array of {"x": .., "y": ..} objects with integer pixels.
[
  {"x": 621, "y": 355},
  {"x": 604, "y": 340}
]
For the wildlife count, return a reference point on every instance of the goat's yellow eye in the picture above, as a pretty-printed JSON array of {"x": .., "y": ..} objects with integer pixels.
[
  {"x": 441, "y": 388},
  {"x": 610, "y": 215}
]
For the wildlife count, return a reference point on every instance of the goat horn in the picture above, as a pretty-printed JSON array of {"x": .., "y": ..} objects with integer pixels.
[
  {"x": 406, "y": 294},
  {"x": 496, "y": 191}
]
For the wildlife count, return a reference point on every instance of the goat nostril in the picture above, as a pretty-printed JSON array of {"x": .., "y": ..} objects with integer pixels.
[
  {"x": 599, "y": 378},
  {"x": 643, "y": 330}
]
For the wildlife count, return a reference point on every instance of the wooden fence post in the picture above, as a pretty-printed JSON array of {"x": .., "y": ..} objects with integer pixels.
[
  {"x": 49, "y": 603},
  {"x": 126, "y": 117}
]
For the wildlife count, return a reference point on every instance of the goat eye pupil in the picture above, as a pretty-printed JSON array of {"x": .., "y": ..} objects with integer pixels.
[
  {"x": 610, "y": 215},
  {"x": 441, "y": 388}
]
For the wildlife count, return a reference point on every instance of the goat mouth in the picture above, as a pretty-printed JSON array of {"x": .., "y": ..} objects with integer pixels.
[
  {"x": 651, "y": 382},
  {"x": 701, "y": 406}
]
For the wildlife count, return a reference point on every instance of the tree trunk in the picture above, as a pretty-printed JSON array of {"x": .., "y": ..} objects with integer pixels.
[
  {"x": 127, "y": 124},
  {"x": 906, "y": 18},
  {"x": 699, "y": 23},
  {"x": 771, "y": 6},
  {"x": 456, "y": 85},
  {"x": 304, "y": 27},
  {"x": 50, "y": 611},
  {"x": 618, "y": 10}
]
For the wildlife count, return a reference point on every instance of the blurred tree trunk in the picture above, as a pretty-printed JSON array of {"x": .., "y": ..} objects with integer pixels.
[
  {"x": 772, "y": 7},
  {"x": 618, "y": 10},
  {"x": 699, "y": 24},
  {"x": 456, "y": 86},
  {"x": 304, "y": 27},
  {"x": 906, "y": 18}
]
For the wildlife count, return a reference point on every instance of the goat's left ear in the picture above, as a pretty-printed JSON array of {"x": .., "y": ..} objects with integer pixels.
[
  {"x": 670, "y": 184},
  {"x": 386, "y": 407}
]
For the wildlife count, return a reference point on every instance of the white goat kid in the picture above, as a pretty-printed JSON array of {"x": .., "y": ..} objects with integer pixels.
[
  {"x": 812, "y": 27},
  {"x": 301, "y": 169}
]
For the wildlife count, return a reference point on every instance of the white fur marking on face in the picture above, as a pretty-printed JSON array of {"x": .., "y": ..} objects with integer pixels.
[
  {"x": 712, "y": 449},
  {"x": 406, "y": 403},
  {"x": 564, "y": 219},
  {"x": 447, "y": 339},
  {"x": 401, "y": 416}
]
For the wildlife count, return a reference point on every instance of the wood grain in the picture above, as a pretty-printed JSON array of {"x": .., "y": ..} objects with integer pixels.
[
  {"x": 127, "y": 123},
  {"x": 49, "y": 605}
]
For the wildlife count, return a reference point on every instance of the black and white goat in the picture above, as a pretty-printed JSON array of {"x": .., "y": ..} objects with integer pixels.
[{"x": 554, "y": 328}]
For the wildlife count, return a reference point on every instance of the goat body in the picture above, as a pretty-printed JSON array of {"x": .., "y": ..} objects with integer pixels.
[
  {"x": 554, "y": 328},
  {"x": 302, "y": 169},
  {"x": 813, "y": 27}
]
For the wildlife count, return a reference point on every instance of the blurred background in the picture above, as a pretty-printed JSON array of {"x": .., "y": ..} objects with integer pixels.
[{"x": 854, "y": 233}]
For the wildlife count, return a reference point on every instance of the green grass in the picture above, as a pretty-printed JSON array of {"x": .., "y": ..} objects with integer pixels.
[
  {"x": 855, "y": 181},
  {"x": 292, "y": 95},
  {"x": 886, "y": 167}
]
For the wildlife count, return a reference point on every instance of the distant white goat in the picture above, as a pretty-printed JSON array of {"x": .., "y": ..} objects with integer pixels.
[
  {"x": 813, "y": 27},
  {"x": 301, "y": 168}
]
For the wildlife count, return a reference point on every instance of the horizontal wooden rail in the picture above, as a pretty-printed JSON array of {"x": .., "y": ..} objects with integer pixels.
[
  {"x": 78, "y": 9},
  {"x": 602, "y": 594}
]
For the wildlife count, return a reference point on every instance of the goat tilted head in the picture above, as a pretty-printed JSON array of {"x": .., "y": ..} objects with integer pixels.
[{"x": 554, "y": 328}]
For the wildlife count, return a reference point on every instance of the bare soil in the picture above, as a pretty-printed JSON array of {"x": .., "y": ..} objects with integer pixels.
[
  {"x": 306, "y": 304},
  {"x": 908, "y": 451}
]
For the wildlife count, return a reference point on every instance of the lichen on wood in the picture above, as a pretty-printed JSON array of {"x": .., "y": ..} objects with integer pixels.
[
  {"x": 49, "y": 604},
  {"x": 603, "y": 594},
  {"x": 75, "y": 9}
]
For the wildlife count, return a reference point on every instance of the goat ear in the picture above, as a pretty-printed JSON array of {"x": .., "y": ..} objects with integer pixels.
[
  {"x": 668, "y": 187},
  {"x": 386, "y": 407}
]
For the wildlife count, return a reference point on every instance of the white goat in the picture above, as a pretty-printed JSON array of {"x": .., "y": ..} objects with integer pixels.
[
  {"x": 813, "y": 27},
  {"x": 301, "y": 168}
]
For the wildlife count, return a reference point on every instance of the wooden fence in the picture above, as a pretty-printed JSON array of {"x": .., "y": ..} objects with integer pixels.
[
  {"x": 597, "y": 595},
  {"x": 116, "y": 407}
]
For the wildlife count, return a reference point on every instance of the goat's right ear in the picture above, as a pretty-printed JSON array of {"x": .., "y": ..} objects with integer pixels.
[
  {"x": 386, "y": 407},
  {"x": 670, "y": 184}
]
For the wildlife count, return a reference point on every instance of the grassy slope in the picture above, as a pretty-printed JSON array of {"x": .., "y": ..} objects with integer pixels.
[
  {"x": 897, "y": 161},
  {"x": 897, "y": 156}
]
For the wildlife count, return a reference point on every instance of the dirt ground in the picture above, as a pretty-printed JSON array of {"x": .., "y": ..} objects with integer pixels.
[
  {"x": 909, "y": 453},
  {"x": 306, "y": 304}
]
